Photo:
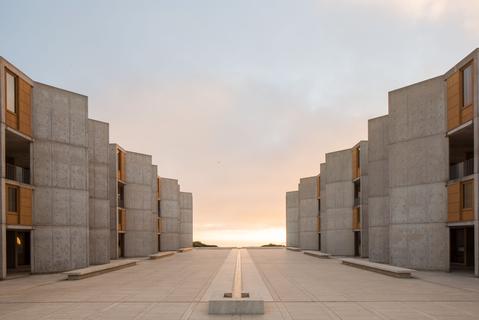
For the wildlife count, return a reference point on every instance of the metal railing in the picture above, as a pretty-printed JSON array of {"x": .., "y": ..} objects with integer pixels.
[
  {"x": 461, "y": 169},
  {"x": 18, "y": 174}
]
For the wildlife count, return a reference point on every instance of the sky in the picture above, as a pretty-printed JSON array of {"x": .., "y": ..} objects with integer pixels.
[{"x": 237, "y": 99}]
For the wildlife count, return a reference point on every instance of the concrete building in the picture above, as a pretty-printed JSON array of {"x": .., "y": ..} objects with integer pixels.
[
  {"x": 423, "y": 172},
  {"x": 302, "y": 215},
  {"x": 176, "y": 213},
  {"x": 68, "y": 198}
]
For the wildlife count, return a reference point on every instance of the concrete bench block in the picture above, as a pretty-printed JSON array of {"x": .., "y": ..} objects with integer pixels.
[
  {"x": 385, "y": 269},
  {"x": 293, "y": 249},
  {"x": 221, "y": 305},
  {"x": 317, "y": 254},
  {"x": 160, "y": 255},
  {"x": 184, "y": 249},
  {"x": 99, "y": 269}
]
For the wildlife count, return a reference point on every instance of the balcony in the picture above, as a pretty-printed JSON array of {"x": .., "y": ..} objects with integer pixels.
[
  {"x": 159, "y": 225},
  {"x": 461, "y": 169},
  {"x": 356, "y": 219},
  {"x": 121, "y": 220},
  {"x": 19, "y": 174}
]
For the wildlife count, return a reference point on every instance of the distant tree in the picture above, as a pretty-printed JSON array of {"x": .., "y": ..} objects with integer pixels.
[
  {"x": 199, "y": 244},
  {"x": 271, "y": 245}
]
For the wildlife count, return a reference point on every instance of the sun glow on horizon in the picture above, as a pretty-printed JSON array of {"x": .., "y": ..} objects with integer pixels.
[{"x": 242, "y": 237}]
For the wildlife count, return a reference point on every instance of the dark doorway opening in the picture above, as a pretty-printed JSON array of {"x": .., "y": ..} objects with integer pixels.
[
  {"x": 159, "y": 242},
  {"x": 121, "y": 245},
  {"x": 319, "y": 241},
  {"x": 357, "y": 243},
  {"x": 461, "y": 247},
  {"x": 18, "y": 251}
]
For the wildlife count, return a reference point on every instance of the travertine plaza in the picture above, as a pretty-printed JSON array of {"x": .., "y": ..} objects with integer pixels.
[{"x": 293, "y": 285}]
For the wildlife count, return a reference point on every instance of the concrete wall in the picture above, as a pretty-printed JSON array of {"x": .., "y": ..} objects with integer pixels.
[
  {"x": 99, "y": 211},
  {"x": 363, "y": 200},
  {"x": 138, "y": 201},
  {"x": 292, "y": 219},
  {"x": 154, "y": 209},
  {"x": 170, "y": 214},
  {"x": 378, "y": 190},
  {"x": 324, "y": 215},
  {"x": 308, "y": 213},
  {"x": 112, "y": 195},
  {"x": 60, "y": 174},
  {"x": 340, "y": 200},
  {"x": 418, "y": 171},
  {"x": 186, "y": 220}
]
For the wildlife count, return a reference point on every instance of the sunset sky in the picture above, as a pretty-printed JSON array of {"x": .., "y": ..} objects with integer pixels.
[{"x": 237, "y": 98}]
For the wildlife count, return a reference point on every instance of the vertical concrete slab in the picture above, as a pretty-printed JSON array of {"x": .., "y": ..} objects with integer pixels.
[
  {"x": 99, "y": 219},
  {"x": 138, "y": 202},
  {"x": 308, "y": 213},
  {"x": 154, "y": 209},
  {"x": 112, "y": 196},
  {"x": 292, "y": 219},
  {"x": 418, "y": 172},
  {"x": 363, "y": 198},
  {"x": 170, "y": 214},
  {"x": 186, "y": 219},
  {"x": 340, "y": 200},
  {"x": 378, "y": 190},
  {"x": 60, "y": 175},
  {"x": 323, "y": 209}
]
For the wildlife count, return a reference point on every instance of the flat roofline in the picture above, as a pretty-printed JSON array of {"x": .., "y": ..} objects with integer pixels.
[
  {"x": 343, "y": 150},
  {"x": 379, "y": 117},
  {"x": 462, "y": 62},
  {"x": 61, "y": 89},
  {"x": 99, "y": 121},
  {"x": 416, "y": 83},
  {"x": 10, "y": 65}
]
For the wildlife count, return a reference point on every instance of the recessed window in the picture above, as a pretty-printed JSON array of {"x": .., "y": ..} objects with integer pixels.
[
  {"x": 467, "y": 195},
  {"x": 467, "y": 86},
  {"x": 12, "y": 199},
  {"x": 11, "y": 92}
]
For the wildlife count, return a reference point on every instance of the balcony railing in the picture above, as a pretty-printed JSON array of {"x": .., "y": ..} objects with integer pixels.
[
  {"x": 18, "y": 174},
  {"x": 461, "y": 169},
  {"x": 121, "y": 202}
]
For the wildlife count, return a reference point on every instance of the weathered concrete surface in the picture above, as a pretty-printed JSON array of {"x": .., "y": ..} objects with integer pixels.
[
  {"x": 323, "y": 209},
  {"x": 339, "y": 204},
  {"x": 60, "y": 174},
  {"x": 418, "y": 171},
  {"x": 292, "y": 219},
  {"x": 138, "y": 201},
  {"x": 378, "y": 190},
  {"x": 363, "y": 198},
  {"x": 170, "y": 214},
  {"x": 112, "y": 195},
  {"x": 99, "y": 211},
  {"x": 186, "y": 219},
  {"x": 308, "y": 213},
  {"x": 154, "y": 209}
]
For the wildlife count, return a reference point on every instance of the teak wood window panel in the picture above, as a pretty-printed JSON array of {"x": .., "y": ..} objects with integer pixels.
[
  {"x": 356, "y": 162},
  {"x": 460, "y": 201},
  {"x": 121, "y": 165},
  {"x": 19, "y": 205},
  {"x": 11, "y": 99},
  {"x": 460, "y": 96}
]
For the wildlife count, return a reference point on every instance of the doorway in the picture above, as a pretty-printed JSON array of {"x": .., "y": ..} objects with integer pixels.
[
  {"x": 462, "y": 247},
  {"x": 18, "y": 251},
  {"x": 159, "y": 243},
  {"x": 357, "y": 243},
  {"x": 319, "y": 241},
  {"x": 121, "y": 245}
]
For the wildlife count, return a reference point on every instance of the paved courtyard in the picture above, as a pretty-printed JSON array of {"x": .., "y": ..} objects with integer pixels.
[{"x": 301, "y": 287}]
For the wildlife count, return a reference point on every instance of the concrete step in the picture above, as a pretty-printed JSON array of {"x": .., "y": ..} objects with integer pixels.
[
  {"x": 294, "y": 249},
  {"x": 160, "y": 255},
  {"x": 385, "y": 269},
  {"x": 92, "y": 271},
  {"x": 317, "y": 254},
  {"x": 184, "y": 249}
]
